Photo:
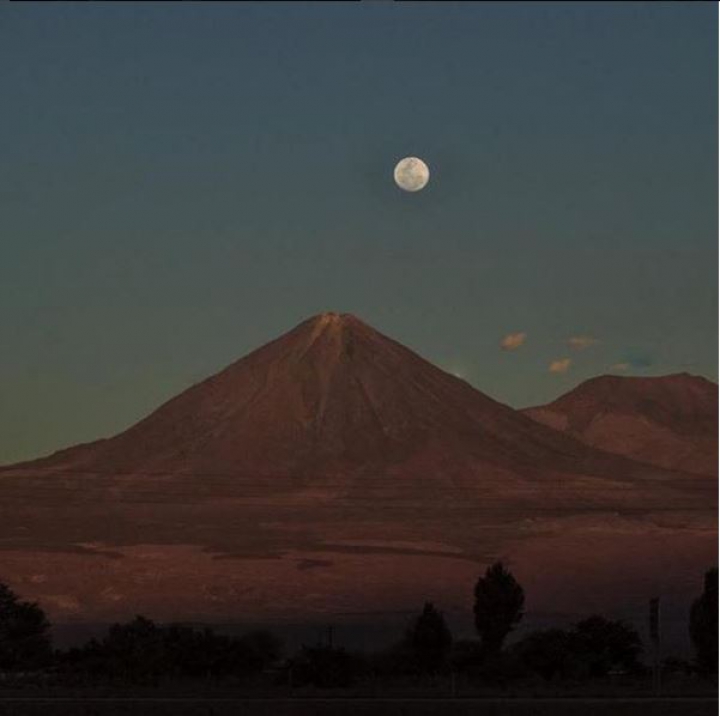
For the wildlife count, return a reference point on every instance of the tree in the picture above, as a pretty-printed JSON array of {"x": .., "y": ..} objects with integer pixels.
[
  {"x": 603, "y": 645},
  {"x": 499, "y": 601},
  {"x": 466, "y": 656},
  {"x": 429, "y": 640},
  {"x": 258, "y": 649},
  {"x": 547, "y": 652},
  {"x": 592, "y": 648},
  {"x": 143, "y": 651},
  {"x": 325, "y": 666},
  {"x": 134, "y": 651},
  {"x": 24, "y": 633},
  {"x": 194, "y": 653},
  {"x": 704, "y": 625}
]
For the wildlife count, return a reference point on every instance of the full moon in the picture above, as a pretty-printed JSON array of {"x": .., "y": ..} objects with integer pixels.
[{"x": 411, "y": 174}]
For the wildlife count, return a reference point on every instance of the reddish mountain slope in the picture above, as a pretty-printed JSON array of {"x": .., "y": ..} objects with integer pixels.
[{"x": 670, "y": 421}]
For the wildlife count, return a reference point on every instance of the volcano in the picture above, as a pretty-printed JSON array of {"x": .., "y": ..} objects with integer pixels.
[
  {"x": 669, "y": 421},
  {"x": 334, "y": 470},
  {"x": 335, "y": 398}
]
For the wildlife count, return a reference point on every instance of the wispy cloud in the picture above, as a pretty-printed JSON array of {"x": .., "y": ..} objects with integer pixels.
[
  {"x": 632, "y": 362},
  {"x": 580, "y": 343},
  {"x": 561, "y": 365},
  {"x": 513, "y": 341},
  {"x": 620, "y": 367}
]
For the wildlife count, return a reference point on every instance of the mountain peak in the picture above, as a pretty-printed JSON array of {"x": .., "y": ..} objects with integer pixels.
[
  {"x": 329, "y": 335},
  {"x": 331, "y": 317},
  {"x": 333, "y": 320},
  {"x": 669, "y": 421}
]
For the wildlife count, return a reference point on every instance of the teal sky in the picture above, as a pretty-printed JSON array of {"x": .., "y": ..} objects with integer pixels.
[{"x": 180, "y": 183}]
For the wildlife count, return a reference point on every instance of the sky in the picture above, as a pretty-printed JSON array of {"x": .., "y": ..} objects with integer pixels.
[{"x": 180, "y": 183}]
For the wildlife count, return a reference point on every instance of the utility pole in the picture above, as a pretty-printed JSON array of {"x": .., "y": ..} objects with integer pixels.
[{"x": 654, "y": 616}]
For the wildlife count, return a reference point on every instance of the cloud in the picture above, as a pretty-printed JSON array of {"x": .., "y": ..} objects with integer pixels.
[
  {"x": 513, "y": 341},
  {"x": 560, "y": 365},
  {"x": 620, "y": 367},
  {"x": 579, "y": 343},
  {"x": 632, "y": 362}
]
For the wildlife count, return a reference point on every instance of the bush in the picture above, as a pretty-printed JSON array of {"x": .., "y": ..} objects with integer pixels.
[
  {"x": 326, "y": 667},
  {"x": 547, "y": 653},
  {"x": 594, "y": 647}
]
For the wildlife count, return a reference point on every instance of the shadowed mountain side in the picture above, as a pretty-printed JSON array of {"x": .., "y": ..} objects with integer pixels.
[{"x": 669, "y": 421}]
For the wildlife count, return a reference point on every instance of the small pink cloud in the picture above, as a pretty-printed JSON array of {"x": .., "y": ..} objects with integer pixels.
[
  {"x": 620, "y": 367},
  {"x": 513, "y": 341},
  {"x": 580, "y": 343},
  {"x": 561, "y": 365}
]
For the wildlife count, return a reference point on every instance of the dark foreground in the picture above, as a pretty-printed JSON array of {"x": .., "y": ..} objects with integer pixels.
[{"x": 165, "y": 706}]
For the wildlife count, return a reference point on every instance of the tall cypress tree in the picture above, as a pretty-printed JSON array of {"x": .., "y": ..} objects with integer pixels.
[{"x": 499, "y": 602}]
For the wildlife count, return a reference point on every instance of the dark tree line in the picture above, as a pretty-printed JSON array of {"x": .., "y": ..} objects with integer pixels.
[
  {"x": 592, "y": 648},
  {"x": 142, "y": 651}
]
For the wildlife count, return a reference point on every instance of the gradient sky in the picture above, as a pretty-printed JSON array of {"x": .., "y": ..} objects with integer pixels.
[{"x": 180, "y": 183}]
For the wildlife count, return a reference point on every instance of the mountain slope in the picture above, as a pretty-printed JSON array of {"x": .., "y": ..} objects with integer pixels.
[{"x": 670, "y": 421}]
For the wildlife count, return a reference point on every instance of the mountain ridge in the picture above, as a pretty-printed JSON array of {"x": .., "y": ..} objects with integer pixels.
[{"x": 670, "y": 421}]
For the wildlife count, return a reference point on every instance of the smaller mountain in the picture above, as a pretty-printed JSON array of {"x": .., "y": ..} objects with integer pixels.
[{"x": 670, "y": 421}]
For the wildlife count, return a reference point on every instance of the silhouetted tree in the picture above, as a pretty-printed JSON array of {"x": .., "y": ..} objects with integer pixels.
[
  {"x": 25, "y": 642},
  {"x": 466, "y": 655},
  {"x": 195, "y": 653},
  {"x": 672, "y": 666},
  {"x": 704, "y": 625},
  {"x": 325, "y": 666},
  {"x": 601, "y": 645},
  {"x": 592, "y": 648},
  {"x": 257, "y": 650},
  {"x": 141, "y": 651},
  {"x": 134, "y": 651},
  {"x": 547, "y": 653},
  {"x": 429, "y": 640},
  {"x": 499, "y": 601}
]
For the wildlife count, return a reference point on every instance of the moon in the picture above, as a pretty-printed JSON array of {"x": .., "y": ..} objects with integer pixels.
[{"x": 411, "y": 174}]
